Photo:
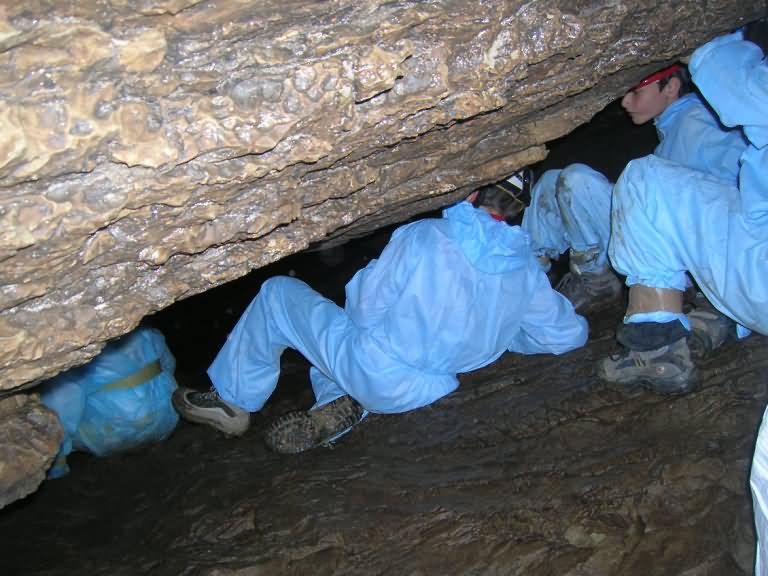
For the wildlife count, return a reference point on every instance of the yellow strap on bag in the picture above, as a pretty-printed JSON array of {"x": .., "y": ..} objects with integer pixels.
[{"x": 147, "y": 372}]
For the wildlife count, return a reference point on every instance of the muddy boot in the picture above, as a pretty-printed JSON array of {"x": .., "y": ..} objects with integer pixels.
[
  {"x": 208, "y": 408},
  {"x": 667, "y": 370},
  {"x": 589, "y": 289},
  {"x": 710, "y": 329},
  {"x": 300, "y": 431}
]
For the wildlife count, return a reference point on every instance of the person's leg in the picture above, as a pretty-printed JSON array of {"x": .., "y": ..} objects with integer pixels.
[
  {"x": 542, "y": 221},
  {"x": 666, "y": 219},
  {"x": 285, "y": 313},
  {"x": 584, "y": 200}
]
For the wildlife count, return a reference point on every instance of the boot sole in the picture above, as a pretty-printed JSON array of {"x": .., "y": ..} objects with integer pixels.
[
  {"x": 672, "y": 387},
  {"x": 297, "y": 432}
]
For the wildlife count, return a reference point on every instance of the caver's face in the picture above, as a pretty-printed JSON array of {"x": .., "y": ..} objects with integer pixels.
[{"x": 648, "y": 102}]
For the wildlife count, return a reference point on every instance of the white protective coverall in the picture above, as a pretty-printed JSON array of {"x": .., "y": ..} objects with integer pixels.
[
  {"x": 446, "y": 296},
  {"x": 571, "y": 208},
  {"x": 669, "y": 219},
  {"x": 708, "y": 226}
]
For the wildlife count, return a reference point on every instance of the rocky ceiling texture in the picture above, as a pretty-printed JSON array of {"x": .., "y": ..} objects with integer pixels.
[{"x": 151, "y": 150}]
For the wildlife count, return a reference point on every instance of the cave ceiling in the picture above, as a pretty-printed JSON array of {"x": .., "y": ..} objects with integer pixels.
[{"x": 152, "y": 150}]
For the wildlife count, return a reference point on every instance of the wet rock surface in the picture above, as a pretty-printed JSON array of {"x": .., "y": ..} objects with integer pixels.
[
  {"x": 532, "y": 467},
  {"x": 30, "y": 435},
  {"x": 151, "y": 151}
]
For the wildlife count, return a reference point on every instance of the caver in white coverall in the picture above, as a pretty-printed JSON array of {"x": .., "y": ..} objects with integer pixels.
[
  {"x": 447, "y": 295},
  {"x": 571, "y": 208},
  {"x": 669, "y": 219}
]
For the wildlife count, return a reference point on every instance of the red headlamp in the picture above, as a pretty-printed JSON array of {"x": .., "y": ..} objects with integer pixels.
[{"x": 660, "y": 75}]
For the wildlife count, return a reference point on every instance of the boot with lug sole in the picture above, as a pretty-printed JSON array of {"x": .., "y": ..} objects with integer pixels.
[
  {"x": 591, "y": 288},
  {"x": 300, "y": 431},
  {"x": 667, "y": 370}
]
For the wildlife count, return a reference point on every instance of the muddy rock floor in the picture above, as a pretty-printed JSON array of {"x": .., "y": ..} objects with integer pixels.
[{"x": 532, "y": 467}]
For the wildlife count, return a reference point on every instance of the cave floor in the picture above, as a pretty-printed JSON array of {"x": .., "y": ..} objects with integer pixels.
[{"x": 532, "y": 467}]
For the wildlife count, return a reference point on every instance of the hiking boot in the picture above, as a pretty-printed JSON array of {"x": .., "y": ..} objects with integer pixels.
[
  {"x": 587, "y": 290},
  {"x": 297, "y": 432},
  {"x": 710, "y": 329},
  {"x": 208, "y": 408},
  {"x": 668, "y": 370},
  {"x": 587, "y": 285}
]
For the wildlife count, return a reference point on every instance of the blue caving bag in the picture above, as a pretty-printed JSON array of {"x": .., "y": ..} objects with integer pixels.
[{"x": 119, "y": 400}]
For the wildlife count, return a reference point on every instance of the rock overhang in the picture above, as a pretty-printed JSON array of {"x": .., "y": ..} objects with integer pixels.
[{"x": 153, "y": 150}]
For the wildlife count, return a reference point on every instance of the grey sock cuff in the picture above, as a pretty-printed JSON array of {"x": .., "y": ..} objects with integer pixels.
[{"x": 644, "y": 336}]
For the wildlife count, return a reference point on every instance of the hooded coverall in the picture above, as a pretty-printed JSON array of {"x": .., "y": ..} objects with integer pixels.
[
  {"x": 571, "y": 208},
  {"x": 446, "y": 296},
  {"x": 709, "y": 227},
  {"x": 669, "y": 219}
]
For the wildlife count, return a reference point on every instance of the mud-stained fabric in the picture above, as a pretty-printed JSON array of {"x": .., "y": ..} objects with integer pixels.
[
  {"x": 571, "y": 208},
  {"x": 668, "y": 219},
  {"x": 446, "y": 296}
]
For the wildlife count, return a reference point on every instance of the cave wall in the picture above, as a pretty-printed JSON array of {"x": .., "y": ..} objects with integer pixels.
[{"x": 153, "y": 149}]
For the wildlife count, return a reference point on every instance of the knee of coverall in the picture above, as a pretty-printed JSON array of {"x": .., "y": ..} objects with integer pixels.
[
  {"x": 541, "y": 220},
  {"x": 278, "y": 290},
  {"x": 584, "y": 199},
  {"x": 634, "y": 230},
  {"x": 579, "y": 186},
  {"x": 276, "y": 284},
  {"x": 634, "y": 198}
]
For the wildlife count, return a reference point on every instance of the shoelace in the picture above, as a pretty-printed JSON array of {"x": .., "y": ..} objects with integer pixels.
[{"x": 210, "y": 395}]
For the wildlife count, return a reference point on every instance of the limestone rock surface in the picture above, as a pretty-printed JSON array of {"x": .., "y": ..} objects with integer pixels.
[
  {"x": 151, "y": 150},
  {"x": 30, "y": 435}
]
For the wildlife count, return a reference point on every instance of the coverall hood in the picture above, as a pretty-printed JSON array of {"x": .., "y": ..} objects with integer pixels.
[{"x": 490, "y": 245}]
